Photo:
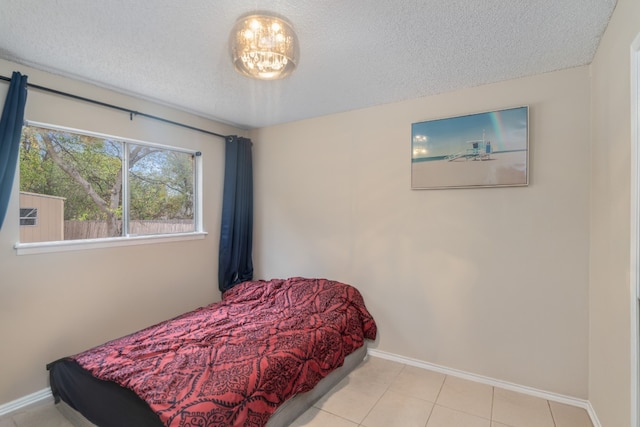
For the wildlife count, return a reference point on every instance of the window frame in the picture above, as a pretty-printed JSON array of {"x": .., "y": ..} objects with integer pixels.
[
  {"x": 125, "y": 240},
  {"x": 32, "y": 214}
]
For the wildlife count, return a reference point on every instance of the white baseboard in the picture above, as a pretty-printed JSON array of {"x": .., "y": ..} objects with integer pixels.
[
  {"x": 38, "y": 397},
  {"x": 593, "y": 416},
  {"x": 567, "y": 400}
]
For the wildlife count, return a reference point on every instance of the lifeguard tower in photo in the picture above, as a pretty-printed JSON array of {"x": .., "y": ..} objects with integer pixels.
[{"x": 474, "y": 150}]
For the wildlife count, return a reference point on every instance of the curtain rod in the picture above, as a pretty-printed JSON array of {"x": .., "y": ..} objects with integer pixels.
[{"x": 115, "y": 107}]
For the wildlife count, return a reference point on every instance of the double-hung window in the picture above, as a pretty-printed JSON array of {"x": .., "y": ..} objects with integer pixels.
[{"x": 112, "y": 188}]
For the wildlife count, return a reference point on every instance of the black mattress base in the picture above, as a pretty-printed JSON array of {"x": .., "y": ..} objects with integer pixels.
[
  {"x": 104, "y": 403},
  {"x": 89, "y": 402}
]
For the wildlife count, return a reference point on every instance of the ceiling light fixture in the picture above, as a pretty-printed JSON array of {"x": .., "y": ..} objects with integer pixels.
[{"x": 264, "y": 47}]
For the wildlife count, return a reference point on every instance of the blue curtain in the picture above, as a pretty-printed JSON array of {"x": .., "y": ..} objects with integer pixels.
[
  {"x": 10, "y": 130},
  {"x": 236, "y": 232}
]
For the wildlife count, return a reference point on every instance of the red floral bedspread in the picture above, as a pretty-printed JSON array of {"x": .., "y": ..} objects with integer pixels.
[{"x": 233, "y": 362}]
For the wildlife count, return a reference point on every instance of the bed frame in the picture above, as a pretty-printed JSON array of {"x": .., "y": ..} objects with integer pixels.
[{"x": 284, "y": 415}]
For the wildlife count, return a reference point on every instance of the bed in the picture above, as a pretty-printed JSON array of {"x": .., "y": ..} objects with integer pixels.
[{"x": 259, "y": 357}]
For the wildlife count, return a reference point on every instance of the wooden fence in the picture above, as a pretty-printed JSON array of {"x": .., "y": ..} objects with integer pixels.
[{"x": 74, "y": 230}]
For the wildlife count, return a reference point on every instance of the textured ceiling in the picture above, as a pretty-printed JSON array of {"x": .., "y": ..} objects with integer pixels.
[{"x": 353, "y": 53}]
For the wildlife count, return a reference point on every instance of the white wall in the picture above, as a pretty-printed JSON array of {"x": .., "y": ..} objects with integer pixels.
[
  {"x": 490, "y": 281},
  {"x": 53, "y": 305},
  {"x": 610, "y": 294}
]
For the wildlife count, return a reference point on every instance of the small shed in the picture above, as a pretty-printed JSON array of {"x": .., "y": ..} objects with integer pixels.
[{"x": 41, "y": 218}]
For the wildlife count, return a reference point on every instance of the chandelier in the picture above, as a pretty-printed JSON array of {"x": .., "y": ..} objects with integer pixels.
[{"x": 264, "y": 47}]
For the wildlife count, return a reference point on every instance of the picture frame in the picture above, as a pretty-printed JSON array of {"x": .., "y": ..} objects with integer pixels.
[{"x": 489, "y": 149}]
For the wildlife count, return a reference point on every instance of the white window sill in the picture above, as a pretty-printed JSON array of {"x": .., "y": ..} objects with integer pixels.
[{"x": 80, "y": 245}]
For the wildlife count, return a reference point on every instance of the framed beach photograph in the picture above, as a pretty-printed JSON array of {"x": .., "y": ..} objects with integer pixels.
[{"x": 478, "y": 150}]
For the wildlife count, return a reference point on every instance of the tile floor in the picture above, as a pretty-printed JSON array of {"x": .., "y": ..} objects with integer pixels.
[{"x": 383, "y": 393}]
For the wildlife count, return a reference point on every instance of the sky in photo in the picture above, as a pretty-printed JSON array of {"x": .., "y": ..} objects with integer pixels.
[{"x": 505, "y": 129}]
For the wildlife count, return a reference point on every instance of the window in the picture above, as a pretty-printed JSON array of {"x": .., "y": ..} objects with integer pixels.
[
  {"x": 112, "y": 187},
  {"x": 28, "y": 216}
]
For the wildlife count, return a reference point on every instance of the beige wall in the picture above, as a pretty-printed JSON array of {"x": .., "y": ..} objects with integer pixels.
[
  {"x": 610, "y": 307},
  {"x": 52, "y": 305},
  {"x": 490, "y": 281}
]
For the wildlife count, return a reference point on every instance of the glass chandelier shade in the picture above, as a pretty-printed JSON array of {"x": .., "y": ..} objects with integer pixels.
[{"x": 264, "y": 47}]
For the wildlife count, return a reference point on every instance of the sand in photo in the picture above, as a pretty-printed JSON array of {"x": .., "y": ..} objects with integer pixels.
[{"x": 508, "y": 168}]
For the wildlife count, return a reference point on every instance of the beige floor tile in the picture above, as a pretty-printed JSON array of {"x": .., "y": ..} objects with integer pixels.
[
  {"x": 445, "y": 417},
  {"x": 569, "y": 416},
  {"x": 386, "y": 393},
  {"x": 378, "y": 370},
  {"x": 315, "y": 417},
  {"x": 6, "y": 422},
  {"x": 352, "y": 398},
  {"x": 395, "y": 409},
  {"x": 520, "y": 410},
  {"x": 466, "y": 396},
  {"x": 44, "y": 416},
  {"x": 419, "y": 383}
]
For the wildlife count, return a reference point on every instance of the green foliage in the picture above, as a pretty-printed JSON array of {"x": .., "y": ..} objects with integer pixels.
[
  {"x": 161, "y": 186},
  {"x": 96, "y": 160},
  {"x": 35, "y": 169}
]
